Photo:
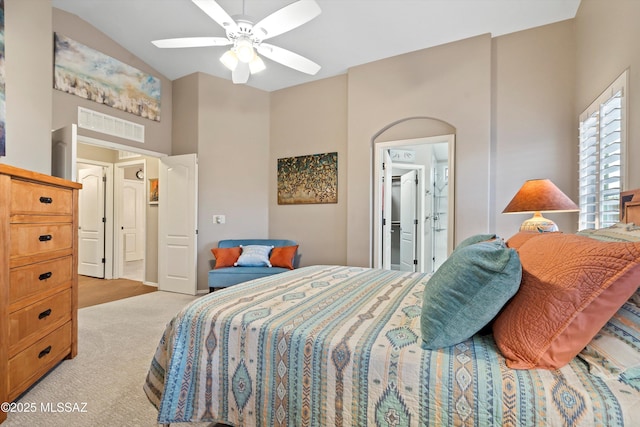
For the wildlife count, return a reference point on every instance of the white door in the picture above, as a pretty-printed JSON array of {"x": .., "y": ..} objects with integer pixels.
[
  {"x": 177, "y": 224},
  {"x": 91, "y": 222},
  {"x": 408, "y": 220},
  {"x": 64, "y": 145},
  {"x": 387, "y": 165},
  {"x": 133, "y": 204}
]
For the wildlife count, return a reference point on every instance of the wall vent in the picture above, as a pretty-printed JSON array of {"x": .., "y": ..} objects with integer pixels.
[{"x": 103, "y": 123}]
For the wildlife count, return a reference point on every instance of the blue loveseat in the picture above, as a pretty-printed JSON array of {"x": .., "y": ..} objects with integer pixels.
[{"x": 228, "y": 276}]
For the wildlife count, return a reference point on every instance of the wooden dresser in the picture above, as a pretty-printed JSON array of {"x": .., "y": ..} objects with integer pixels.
[{"x": 38, "y": 277}]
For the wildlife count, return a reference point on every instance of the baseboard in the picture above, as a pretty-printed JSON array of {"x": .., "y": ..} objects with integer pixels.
[{"x": 150, "y": 284}]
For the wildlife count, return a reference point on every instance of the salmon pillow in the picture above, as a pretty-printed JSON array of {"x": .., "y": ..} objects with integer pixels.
[
  {"x": 226, "y": 257},
  {"x": 522, "y": 237},
  {"x": 282, "y": 256},
  {"x": 571, "y": 286}
]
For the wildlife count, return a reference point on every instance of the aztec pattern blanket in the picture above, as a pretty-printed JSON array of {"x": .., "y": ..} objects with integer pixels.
[{"x": 331, "y": 345}]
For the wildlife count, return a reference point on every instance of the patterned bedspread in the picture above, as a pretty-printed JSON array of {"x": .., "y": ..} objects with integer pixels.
[{"x": 330, "y": 345}]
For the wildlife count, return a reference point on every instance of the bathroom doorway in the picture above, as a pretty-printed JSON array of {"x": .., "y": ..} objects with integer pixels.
[{"x": 413, "y": 196}]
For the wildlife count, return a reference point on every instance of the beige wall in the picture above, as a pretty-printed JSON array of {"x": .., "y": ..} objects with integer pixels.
[
  {"x": 157, "y": 134},
  {"x": 185, "y": 115},
  {"x": 65, "y": 106},
  {"x": 28, "y": 73},
  {"x": 310, "y": 119},
  {"x": 233, "y": 152},
  {"x": 451, "y": 83},
  {"x": 507, "y": 98},
  {"x": 607, "y": 34},
  {"x": 534, "y": 126}
]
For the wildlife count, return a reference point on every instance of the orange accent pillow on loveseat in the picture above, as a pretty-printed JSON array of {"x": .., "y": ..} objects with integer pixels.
[{"x": 226, "y": 257}]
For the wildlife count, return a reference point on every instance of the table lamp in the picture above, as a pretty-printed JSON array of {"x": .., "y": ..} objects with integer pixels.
[{"x": 536, "y": 196}]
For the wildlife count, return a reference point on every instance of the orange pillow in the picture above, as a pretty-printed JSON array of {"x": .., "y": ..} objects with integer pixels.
[
  {"x": 522, "y": 237},
  {"x": 226, "y": 257},
  {"x": 282, "y": 256},
  {"x": 571, "y": 286}
]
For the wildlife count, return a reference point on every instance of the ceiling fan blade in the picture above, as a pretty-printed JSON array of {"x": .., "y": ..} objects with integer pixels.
[
  {"x": 192, "y": 42},
  {"x": 218, "y": 14},
  {"x": 288, "y": 58},
  {"x": 240, "y": 74},
  {"x": 286, "y": 19}
]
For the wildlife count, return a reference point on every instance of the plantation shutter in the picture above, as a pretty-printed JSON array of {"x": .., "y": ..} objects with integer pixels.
[
  {"x": 610, "y": 156},
  {"x": 588, "y": 172},
  {"x": 601, "y": 158}
]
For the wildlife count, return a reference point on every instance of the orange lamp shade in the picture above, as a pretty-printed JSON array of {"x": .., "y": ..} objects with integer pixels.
[{"x": 536, "y": 196}]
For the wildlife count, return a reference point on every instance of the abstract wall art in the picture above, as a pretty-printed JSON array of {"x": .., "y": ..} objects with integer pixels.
[
  {"x": 308, "y": 179},
  {"x": 90, "y": 74}
]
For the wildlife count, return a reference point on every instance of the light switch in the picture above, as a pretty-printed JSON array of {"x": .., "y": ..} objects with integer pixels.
[{"x": 219, "y": 219}]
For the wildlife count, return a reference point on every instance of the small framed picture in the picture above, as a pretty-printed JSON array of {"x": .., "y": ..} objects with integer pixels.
[{"x": 153, "y": 191}]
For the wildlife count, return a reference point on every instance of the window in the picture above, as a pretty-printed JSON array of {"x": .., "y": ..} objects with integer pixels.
[{"x": 602, "y": 148}]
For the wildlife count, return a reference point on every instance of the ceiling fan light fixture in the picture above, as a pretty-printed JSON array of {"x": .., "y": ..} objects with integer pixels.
[
  {"x": 229, "y": 59},
  {"x": 247, "y": 38},
  {"x": 244, "y": 50},
  {"x": 256, "y": 65}
]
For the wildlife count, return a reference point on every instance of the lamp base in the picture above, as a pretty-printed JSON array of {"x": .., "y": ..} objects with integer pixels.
[{"x": 538, "y": 224}]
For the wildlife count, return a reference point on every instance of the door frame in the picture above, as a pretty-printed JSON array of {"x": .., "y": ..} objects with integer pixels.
[
  {"x": 376, "y": 209},
  {"x": 118, "y": 247},
  {"x": 110, "y": 273},
  {"x": 108, "y": 211},
  {"x": 115, "y": 146}
]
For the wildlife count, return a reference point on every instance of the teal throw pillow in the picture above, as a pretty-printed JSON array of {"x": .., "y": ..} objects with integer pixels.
[
  {"x": 476, "y": 238},
  {"x": 254, "y": 256},
  {"x": 467, "y": 292}
]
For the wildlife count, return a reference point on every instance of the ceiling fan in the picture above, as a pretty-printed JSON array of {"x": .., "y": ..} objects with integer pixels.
[{"x": 246, "y": 38}]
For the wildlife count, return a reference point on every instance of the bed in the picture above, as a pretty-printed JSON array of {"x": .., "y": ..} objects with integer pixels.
[{"x": 339, "y": 345}]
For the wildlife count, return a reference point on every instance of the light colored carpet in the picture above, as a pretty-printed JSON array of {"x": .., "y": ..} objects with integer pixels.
[{"x": 116, "y": 342}]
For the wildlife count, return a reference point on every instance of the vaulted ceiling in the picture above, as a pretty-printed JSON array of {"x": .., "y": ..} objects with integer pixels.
[{"x": 347, "y": 33}]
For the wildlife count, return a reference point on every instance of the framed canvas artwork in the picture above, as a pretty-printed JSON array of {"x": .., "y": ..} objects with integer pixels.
[
  {"x": 308, "y": 179},
  {"x": 90, "y": 74}
]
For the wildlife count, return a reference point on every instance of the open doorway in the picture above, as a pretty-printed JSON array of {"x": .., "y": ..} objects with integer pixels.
[
  {"x": 175, "y": 201},
  {"x": 413, "y": 203},
  {"x": 129, "y": 221},
  {"x": 405, "y": 246}
]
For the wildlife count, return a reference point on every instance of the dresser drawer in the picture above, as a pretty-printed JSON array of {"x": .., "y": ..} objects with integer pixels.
[
  {"x": 33, "y": 239},
  {"x": 27, "y": 366},
  {"x": 33, "y": 198},
  {"x": 37, "y": 278},
  {"x": 37, "y": 319}
]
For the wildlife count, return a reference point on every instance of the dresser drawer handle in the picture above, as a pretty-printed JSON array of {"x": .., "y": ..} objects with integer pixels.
[
  {"x": 45, "y": 276},
  {"x": 45, "y": 237},
  {"x": 44, "y": 314},
  {"x": 44, "y": 352},
  {"x": 46, "y": 200}
]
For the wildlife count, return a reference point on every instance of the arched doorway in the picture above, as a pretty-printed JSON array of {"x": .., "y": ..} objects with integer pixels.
[{"x": 413, "y": 223}]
